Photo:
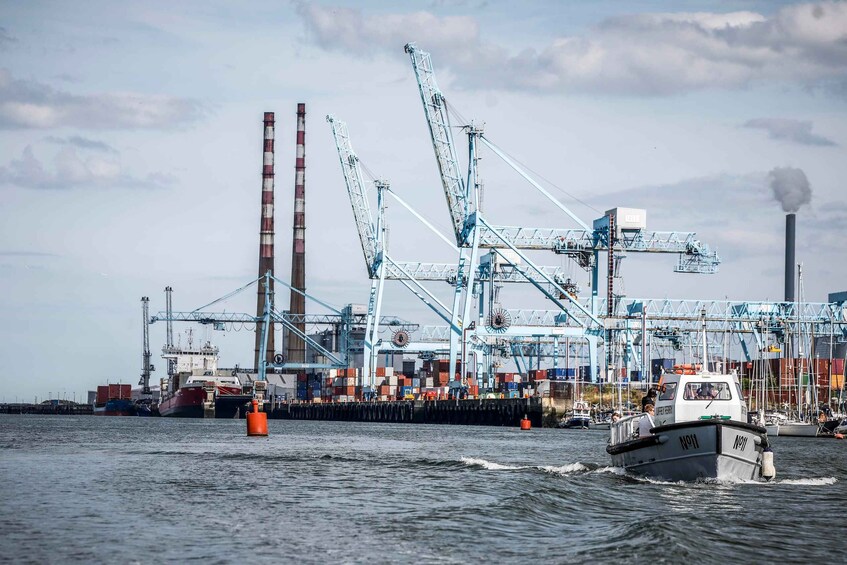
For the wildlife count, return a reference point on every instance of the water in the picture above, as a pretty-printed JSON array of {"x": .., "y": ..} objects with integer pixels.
[{"x": 100, "y": 489}]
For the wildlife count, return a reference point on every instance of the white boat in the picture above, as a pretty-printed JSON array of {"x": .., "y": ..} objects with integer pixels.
[
  {"x": 770, "y": 421},
  {"x": 700, "y": 432},
  {"x": 580, "y": 416},
  {"x": 799, "y": 429}
]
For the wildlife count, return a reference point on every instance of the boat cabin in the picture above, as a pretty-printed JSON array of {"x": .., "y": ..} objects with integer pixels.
[{"x": 687, "y": 397}]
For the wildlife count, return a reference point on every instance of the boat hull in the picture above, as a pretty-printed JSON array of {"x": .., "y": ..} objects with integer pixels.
[
  {"x": 186, "y": 402},
  {"x": 577, "y": 423},
  {"x": 798, "y": 430},
  {"x": 115, "y": 407},
  {"x": 231, "y": 406},
  {"x": 190, "y": 402},
  {"x": 723, "y": 450}
]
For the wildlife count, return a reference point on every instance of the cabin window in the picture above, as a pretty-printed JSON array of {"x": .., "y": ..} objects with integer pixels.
[
  {"x": 707, "y": 391},
  {"x": 669, "y": 393}
]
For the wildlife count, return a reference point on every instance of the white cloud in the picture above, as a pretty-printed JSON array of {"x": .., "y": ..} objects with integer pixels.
[
  {"x": 346, "y": 28},
  {"x": 645, "y": 54},
  {"x": 69, "y": 170},
  {"x": 790, "y": 130},
  {"x": 83, "y": 143},
  {"x": 33, "y": 105}
]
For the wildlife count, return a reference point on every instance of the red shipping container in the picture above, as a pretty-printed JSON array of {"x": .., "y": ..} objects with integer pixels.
[
  {"x": 838, "y": 366},
  {"x": 114, "y": 391},
  {"x": 126, "y": 391},
  {"x": 102, "y": 394}
]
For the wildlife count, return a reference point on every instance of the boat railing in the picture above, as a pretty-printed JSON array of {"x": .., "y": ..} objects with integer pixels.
[{"x": 624, "y": 429}]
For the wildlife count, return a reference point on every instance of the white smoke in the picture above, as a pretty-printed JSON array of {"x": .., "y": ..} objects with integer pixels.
[{"x": 790, "y": 188}]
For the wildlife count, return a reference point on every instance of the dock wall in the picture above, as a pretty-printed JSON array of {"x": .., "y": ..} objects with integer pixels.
[{"x": 479, "y": 412}]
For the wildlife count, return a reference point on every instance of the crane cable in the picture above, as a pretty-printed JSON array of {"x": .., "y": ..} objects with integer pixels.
[{"x": 463, "y": 120}]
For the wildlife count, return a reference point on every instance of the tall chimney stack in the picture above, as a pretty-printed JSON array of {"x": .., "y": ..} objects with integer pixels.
[
  {"x": 266, "y": 238},
  {"x": 297, "y": 308},
  {"x": 790, "y": 223}
]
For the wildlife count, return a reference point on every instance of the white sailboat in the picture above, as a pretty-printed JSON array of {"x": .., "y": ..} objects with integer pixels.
[{"x": 802, "y": 424}]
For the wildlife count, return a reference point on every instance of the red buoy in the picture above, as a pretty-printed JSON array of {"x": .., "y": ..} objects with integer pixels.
[
  {"x": 257, "y": 422},
  {"x": 526, "y": 424}
]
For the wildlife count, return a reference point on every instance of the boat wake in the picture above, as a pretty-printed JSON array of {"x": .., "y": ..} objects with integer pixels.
[
  {"x": 490, "y": 466},
  {"x": 565, "y": 469},
  {"x": 552, "y": 469},
  {"x": 812, "y": 481},
  {"x": 815, "y": 481}
]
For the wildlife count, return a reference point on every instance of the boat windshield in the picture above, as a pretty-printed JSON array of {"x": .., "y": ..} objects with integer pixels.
[
  {"x": 669, "y": 392},
  {"x": 707, "y": 391}
]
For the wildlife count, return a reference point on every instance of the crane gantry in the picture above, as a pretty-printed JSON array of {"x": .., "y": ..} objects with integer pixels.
[
  {"x": 381, "y": 266},
  {"x": 472, "y": 230}
]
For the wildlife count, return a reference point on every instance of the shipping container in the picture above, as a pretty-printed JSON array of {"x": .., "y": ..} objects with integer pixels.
[
  {"x": 661, "y": 364},
  {"x": 102, "y": 394}
]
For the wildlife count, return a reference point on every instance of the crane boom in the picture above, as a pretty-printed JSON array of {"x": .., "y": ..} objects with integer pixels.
[
  {"x": 694, "y": 256},
  {"x": 358, "y": 199},
  {"x": 438, "y": 120}
]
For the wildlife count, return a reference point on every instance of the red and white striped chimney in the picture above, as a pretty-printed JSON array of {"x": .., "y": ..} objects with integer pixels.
[
  {"x": 297, "y": 308},
  {"x": 266, "y": 236}
]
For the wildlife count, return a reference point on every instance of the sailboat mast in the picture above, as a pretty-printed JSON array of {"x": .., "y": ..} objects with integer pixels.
[{"x": 705, "y": 367}]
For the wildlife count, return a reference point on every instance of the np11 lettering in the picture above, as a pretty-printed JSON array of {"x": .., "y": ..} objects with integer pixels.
[
  {"x": 740, "y": 443},
  {"x": 689, "y": 441}
]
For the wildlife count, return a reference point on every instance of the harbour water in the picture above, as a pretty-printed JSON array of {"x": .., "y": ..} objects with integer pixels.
[{"x": 85, "y": 489}]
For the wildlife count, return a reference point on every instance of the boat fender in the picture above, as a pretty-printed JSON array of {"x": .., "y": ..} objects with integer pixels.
[
  {"x": 768, "y": 470},
  {"x": 757, "y": 440},
  {"x": 663, "y": 438}
]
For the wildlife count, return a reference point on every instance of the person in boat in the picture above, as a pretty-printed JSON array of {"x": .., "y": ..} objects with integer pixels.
[
  {"x": 646, "y": 423},
  {"x": 706, "y": 392},
  {"x": 615, "y": 417},
  {"x": 649, "y": 398}
]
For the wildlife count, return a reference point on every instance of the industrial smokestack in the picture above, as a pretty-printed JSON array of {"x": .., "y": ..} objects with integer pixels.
[
  {"x": 266, "y": 238},
  {"x": 297, "y": 307},
  {"x": 790, "y": 229},
  {"x": 791, "y": 189}
]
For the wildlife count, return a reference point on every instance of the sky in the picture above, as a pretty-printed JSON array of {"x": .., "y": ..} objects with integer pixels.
[{"x": 131, "y": 152}]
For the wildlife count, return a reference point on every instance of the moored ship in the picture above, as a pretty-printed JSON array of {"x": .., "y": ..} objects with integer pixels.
[
  {"x": 114, "y": 400},
  {"x": 195, "y": 389}
]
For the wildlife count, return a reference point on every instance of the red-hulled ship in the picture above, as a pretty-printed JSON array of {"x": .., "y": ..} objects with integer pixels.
[{"x": 194, "y": 389}]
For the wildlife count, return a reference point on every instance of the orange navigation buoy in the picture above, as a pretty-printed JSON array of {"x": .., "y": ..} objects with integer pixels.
[
  {"x": 526, "y": 424},
  {"x": 839, "y": 436},
  {"x": 257, "y": 422}
]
